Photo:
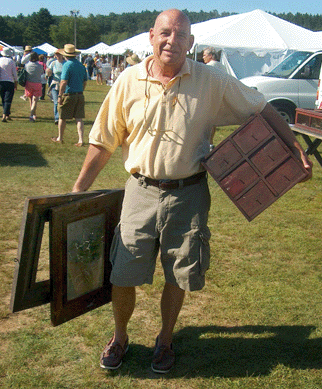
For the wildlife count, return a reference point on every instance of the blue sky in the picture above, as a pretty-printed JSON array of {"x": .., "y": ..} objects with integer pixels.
[{"x": 104, "y": 7}]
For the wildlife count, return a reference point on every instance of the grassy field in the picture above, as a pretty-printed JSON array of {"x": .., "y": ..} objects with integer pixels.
[{"x": 257, "y": 323}]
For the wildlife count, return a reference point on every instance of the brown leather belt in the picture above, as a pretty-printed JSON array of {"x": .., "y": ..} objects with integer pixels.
[{"x": 171, "y": 184}]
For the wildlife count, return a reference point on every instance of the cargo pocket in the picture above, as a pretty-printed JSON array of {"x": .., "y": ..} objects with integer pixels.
[
  {"x": 115, "y": 243},
  {"x": 204, "y": 236}
]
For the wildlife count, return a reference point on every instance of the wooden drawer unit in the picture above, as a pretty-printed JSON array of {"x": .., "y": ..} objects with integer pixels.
[{"x": 254, "y": 167}]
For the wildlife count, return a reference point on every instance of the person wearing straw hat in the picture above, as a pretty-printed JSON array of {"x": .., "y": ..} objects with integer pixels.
[
  {"x": 133, "y": 59},
  {"x": 26, "y": 55},
  {"x": 8, "y": 81},
  {"x": 71, "y": 102}
]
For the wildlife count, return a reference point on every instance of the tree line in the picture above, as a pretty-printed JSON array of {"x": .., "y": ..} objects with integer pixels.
[{"x": 41, "y": 26}]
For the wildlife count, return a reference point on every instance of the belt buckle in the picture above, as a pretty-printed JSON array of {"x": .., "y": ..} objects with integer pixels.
[{"x": 163, "y": 183}]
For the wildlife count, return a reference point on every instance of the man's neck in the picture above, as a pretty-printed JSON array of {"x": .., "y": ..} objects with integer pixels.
[{"x": 162, "y": 72}]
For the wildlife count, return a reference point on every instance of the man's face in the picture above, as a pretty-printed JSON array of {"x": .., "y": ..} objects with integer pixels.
[
  {"x": 207, "y": 57},
  {"x": 171, "y": 38}
]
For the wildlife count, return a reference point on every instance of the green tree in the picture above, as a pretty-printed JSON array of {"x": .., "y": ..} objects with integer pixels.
[
  {"x": 6, "y": 32},
  {"x": 38, "y": 30},
  {"x": 87, "y": 33},
  {"x": 16, "y": 28}
]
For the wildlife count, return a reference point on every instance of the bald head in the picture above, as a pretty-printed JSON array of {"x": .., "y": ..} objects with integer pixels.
[
  {"x": 173, "y": 14},
  {"x": 171, "y": 39}
]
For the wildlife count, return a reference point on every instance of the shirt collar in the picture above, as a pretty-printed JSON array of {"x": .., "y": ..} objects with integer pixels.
[{"x": 143, "y": 68}]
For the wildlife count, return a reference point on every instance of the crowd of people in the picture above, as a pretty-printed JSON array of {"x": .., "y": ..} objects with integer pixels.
[{"x": 65, "y": 73}]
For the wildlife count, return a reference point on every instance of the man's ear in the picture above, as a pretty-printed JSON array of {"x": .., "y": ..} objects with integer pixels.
[
  {"x": 151, "y": 36},
  {"x": 191, "y": 41}
]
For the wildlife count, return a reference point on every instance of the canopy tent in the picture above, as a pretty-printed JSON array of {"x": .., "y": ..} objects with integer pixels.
[
  {"x": 45, "y": 48},
  {"x": 3, "y": 45},
  {"x": 138, "y": 44},
  {"x": 253, "y": 42},
  {"x": 101, "y": 48},
  {"x": 39, "y": 51}
]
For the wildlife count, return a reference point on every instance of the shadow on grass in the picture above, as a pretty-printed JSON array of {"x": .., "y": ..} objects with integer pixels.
[
  {"x": 21, "y": 154},
  {"x": 231, "y": 352}
]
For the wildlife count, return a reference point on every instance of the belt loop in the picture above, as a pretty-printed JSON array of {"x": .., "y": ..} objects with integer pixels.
[
  {"x": 142, "y": 182},
  {"x": 181, "y": 184}
]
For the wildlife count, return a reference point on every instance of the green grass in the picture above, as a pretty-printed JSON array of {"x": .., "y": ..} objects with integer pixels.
[{"x": 257, "y": 323}]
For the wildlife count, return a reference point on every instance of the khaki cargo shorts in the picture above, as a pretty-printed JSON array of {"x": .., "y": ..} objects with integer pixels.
[
  {"x": 72, "y": 106},
  {"x": 172, "y": 222}
]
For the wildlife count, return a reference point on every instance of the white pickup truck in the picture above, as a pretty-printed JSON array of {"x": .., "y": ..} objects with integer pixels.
[{"x": 291, "y": 84}]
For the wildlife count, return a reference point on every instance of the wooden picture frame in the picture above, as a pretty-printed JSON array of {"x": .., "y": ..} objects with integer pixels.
[
  {"x": 81, "y": 237},
  {"x": 26, "y": 291}
]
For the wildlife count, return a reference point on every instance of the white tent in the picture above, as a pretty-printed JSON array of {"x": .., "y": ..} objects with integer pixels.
[
  {"x": 252, "y": 42},
  {"x": 139, "y": 44},
  {"x": 4, "y": 44},
  {"x": 101, "y": 48},
  {"x": 46, "y": 47}
]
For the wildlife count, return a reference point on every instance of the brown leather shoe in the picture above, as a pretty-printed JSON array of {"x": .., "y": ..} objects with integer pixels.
[
  {"x": 163, "y": 358},
  {"x": 112, "y": 355}
]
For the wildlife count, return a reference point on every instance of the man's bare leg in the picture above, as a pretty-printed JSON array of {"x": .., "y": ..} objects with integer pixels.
[
  {"x": 123, "y": 300},
  {"x": 61, "y": 130},
  {"x": 171, "y": 304},
  {"x": 80, "y": 130}
]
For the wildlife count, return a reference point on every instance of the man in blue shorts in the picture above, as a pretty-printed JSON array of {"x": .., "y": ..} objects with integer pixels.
[{"x": 71, "y": 103}]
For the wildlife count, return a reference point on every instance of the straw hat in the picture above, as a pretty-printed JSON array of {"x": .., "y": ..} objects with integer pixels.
[
  {"x": 133, "y": 59},
  {"x": 28, "y": 48},
  {"x": 6, "y": 52},
  {"x": 69, "y": 50}
]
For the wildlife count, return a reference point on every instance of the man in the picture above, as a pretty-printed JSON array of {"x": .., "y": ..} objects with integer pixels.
[
  {"x": 71, "y": 101},
  {"x": 162, "y": 112},
  {"x": 89, "y": 63},
  {"x": 210, "y": 58}
]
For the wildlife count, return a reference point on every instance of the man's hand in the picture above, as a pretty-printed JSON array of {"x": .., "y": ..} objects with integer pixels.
[
  {"x": 275, "y": 120},
  {"x": 307, "y": 163}
]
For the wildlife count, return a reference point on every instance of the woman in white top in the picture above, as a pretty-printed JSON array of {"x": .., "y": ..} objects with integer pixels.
[
  {"x": 8, "y": 81},
  {"x": 54, "y": 70}
]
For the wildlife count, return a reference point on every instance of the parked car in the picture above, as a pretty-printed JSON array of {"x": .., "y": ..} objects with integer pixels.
[{"x": 291, "y": 84}]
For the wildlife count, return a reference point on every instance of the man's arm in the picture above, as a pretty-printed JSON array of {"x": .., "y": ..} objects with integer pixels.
[
  {"x": 95, "y": 160},
  {"x": 275, "y": 120},
  {"x": 62, "y": 88}
]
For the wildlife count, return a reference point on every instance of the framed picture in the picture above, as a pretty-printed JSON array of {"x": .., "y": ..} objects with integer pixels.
[
  {"x": 81, "y": 236},
  {"x": 27, "y": 292}
]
